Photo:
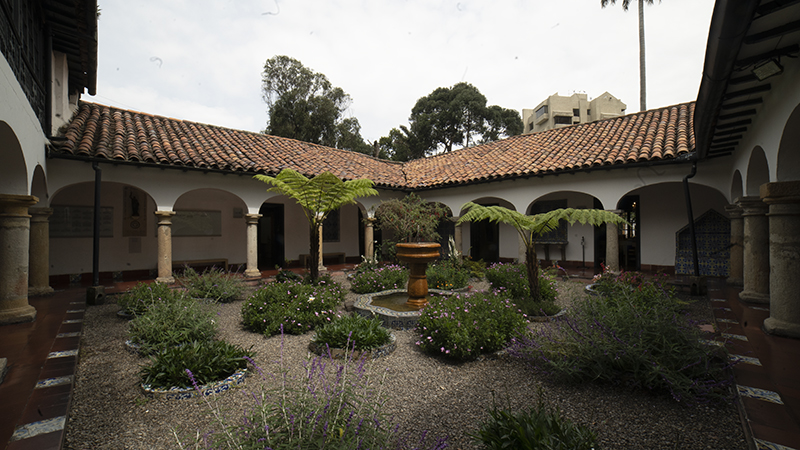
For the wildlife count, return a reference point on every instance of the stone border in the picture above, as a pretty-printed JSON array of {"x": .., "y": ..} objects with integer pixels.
[
  {"x": 556, "y": 316},
  {"x": 341, "y": 353},
  {"x": 398, "y": 320},
  {"x": 183, "y": 393}
]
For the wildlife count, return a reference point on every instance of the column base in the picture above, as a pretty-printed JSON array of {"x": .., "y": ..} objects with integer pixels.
[
  {"x": 782, "y": 328},
  {"x": 39, "y": 291},
  {"x": 735, "y": 281},
  {"x": 165, "y": 280},
  {"x": 254, "y": 273},
  {"x": 96, "y": 295},
  {"x": 22, "y": 314},
  {"x": 754, "y": 297}
]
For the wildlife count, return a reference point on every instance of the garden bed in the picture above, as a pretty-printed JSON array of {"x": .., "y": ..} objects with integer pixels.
[{"x": 109, "y": 409}]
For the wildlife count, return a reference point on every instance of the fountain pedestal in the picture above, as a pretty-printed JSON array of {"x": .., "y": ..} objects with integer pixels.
[{"x": 417, "y": 255}]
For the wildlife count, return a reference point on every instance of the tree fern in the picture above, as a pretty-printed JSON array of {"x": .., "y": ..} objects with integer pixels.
[{"x": 317, "y": 196}]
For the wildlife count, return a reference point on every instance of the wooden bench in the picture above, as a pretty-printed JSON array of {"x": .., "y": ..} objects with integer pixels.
[
  {"x": 338, "y": 256},
  {"x": 200, "y": 264}
]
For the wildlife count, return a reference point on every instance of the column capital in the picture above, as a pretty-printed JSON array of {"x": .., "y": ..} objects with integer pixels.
[
  {"x": 16, "y": 205},
  {"x": 164, "y": 217},
  {"x": 752, "y": 206},
  {"x": 734, "y": 211},
  {"x": 252, "y": 219},
  {"x": 40, "y": 214},
  {"x": 780, "y": 192}
]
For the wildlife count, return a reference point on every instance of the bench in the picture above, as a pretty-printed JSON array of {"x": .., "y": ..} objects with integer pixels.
[
  {"x": 338, "y": 256},
  {"x": 200, "y": 264}
]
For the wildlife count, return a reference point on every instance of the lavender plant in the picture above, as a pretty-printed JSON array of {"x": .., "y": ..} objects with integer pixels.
[
  {"x": 214, "y": 284},
  {"x": 647, "y": 344},
  {"x": 140, "y": 298},
  {"x": 331, "y": 405},
  {"x": 295, "y": 306},
  {"x": 463, "y": 327}
]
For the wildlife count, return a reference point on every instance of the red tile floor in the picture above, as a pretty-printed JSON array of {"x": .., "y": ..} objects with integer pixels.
[{"x": 42, "y": 357}]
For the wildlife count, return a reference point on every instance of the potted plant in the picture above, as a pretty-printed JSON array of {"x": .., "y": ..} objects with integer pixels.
[{"x": 413, "y": 222}]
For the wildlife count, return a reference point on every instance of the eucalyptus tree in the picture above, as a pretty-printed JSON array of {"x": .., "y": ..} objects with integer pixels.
[
  {"x": 642, "y": 77},
  {"x": 317, "y": 196},
  {"x": 530, "y": 228}
]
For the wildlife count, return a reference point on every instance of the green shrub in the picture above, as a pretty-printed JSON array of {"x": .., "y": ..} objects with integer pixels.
[
  {"x": 447, "y": 275},
  {"x": 476, "y": 268},
  {"x": 463, "y": 327},
  {"x": 214, "y": 284},
  {"x": 636, "y": 341},
  {"x": 512, "y": 279},
  {"x": 635, "y": 286},
  {"x": 287, "y": 275},
  {"x": 208, "y": 361},
  {"x": 170, "y": 324},
  {"x": 539, "y": 428},
  {"x": 355, "y": 332},
  {"x": 380, "y": 279},
  {"x": 298, "y": 307},
  {"x": 139, "y": 298}
]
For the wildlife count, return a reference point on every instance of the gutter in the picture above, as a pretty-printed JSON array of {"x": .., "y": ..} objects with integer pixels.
[
  {"x": 690, "y": 215},
  {"x": 730, "y": 22}
]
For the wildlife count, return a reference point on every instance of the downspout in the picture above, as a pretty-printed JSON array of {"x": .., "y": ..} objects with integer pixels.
[
  {"x": 692, "y": 235},
  {"x": 96, "y": 231}
]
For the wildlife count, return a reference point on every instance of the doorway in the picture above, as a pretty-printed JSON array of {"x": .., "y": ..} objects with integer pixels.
[
  {"x": 271, "y": 237},
  {"x": 484, "y": 241}
]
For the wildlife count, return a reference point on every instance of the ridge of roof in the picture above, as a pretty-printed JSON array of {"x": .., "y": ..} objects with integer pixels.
[{"x": 98, "y": 132}]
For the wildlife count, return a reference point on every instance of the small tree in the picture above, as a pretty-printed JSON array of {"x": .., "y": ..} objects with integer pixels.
[
  {"x": 530, "y": 228},
  {"x": 412, "y": 219},
  {"x": 317, "y": 196}
]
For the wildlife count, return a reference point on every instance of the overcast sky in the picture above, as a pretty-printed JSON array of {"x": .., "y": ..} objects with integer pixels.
[{"x": 201, "y": 60}]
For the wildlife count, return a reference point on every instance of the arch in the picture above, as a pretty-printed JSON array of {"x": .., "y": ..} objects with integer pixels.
[
  {"x": 788, "y": 161},
  {"x": 757, "y": 171},
  {"x": 39, "y": 186},
  {"x": 737, "y": 186},
  {"x": 13, "y": 169},
  {"x": 490, "y": 241}
]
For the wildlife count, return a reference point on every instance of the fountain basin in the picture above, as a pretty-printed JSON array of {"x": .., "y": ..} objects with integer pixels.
[{"x": 392, "y": 308}]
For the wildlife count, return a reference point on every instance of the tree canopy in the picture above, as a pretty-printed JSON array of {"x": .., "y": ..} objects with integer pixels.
[
  {"x": 304, "y": 105},
  {"x": 457, "y": 116}
]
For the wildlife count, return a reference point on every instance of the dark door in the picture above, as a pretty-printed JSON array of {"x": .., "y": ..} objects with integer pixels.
[
  {"x": 270, "y": 237},
  {"x": 484, "y": 240}
]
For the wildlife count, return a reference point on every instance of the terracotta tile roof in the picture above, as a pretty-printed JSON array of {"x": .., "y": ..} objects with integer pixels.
[
  {"x": 98, "y": 131},
  {"x": 653, "y": 135}
]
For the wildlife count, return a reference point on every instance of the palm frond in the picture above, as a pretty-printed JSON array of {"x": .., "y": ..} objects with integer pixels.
[{"x": 549, "y": 221}]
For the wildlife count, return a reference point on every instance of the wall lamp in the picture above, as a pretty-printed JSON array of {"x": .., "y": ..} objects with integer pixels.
[{"x": 767, "y": 69}]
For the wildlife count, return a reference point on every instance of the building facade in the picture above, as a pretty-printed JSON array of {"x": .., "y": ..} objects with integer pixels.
[{"x": 559, "y": 111}]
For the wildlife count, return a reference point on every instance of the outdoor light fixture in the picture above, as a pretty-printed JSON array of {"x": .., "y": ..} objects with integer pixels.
[{"x": 767, "y": 69}]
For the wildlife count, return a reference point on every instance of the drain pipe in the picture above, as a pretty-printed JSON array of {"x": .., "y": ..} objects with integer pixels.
[
  {"x": 692, "y": 235},
  {"x": 95, "y": 295}
]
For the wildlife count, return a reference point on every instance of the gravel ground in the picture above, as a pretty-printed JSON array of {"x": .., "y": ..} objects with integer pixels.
[{"x": 424, "y": 393}]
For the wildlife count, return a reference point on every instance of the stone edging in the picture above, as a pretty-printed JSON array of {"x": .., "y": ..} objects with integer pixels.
[
  {"x": 341, "y": 353},
  {"x": 183, "y": 393}
]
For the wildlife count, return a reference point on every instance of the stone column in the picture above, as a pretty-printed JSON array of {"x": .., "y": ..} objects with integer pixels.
[
  {"x": 735, "y": 276},
  {"x": 252, "y": 246},
  {"x": 783, "y": 200},
  {"x": 165, "y": 247},
  {"x": 755, "y": 270},
  {"x": 14, "y": 248},
  {"x": 612, "y": 246},
  {"x": 458, "y": 236},
  {"x": 369, "y": 238},
  {"x": 39, "y": 254}
]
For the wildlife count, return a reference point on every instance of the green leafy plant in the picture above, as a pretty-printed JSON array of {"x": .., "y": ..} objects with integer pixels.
[
  {"x": 379, "y": 279},
  {"x": 463, "y": 327},
  {"x": 167, "y": 325},
  {"x": 447, "y": 275},
  {"x": 476, "y": 268},
  {"x": 214, "y": 284},
  {"x": 512, "y": 279},
  {"x": 354, "y": 331},
  {"x": 539, "y": 428},
  {"x": 530, "y": 228},
  {"x": 296, "y": 307},
  {"x": 140, "y": 298},
  {"x": 637, "y": 341},
  {"x": 208, "y": 361},
  {"x": 317, "y": 196},
  {"x": 287, "y": 275},
  {"x": 411, "y": 219}
]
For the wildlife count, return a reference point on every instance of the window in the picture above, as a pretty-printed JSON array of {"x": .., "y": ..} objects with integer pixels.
[
  {"x": 330, "y": 227},
  {"x": 589, "y": 112},
  {"x": 541, "y": 111},
  {"x": 562, "y": 120},
  {"x": 559, "y": 235},
  {"x": 576, "y": 112}
]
